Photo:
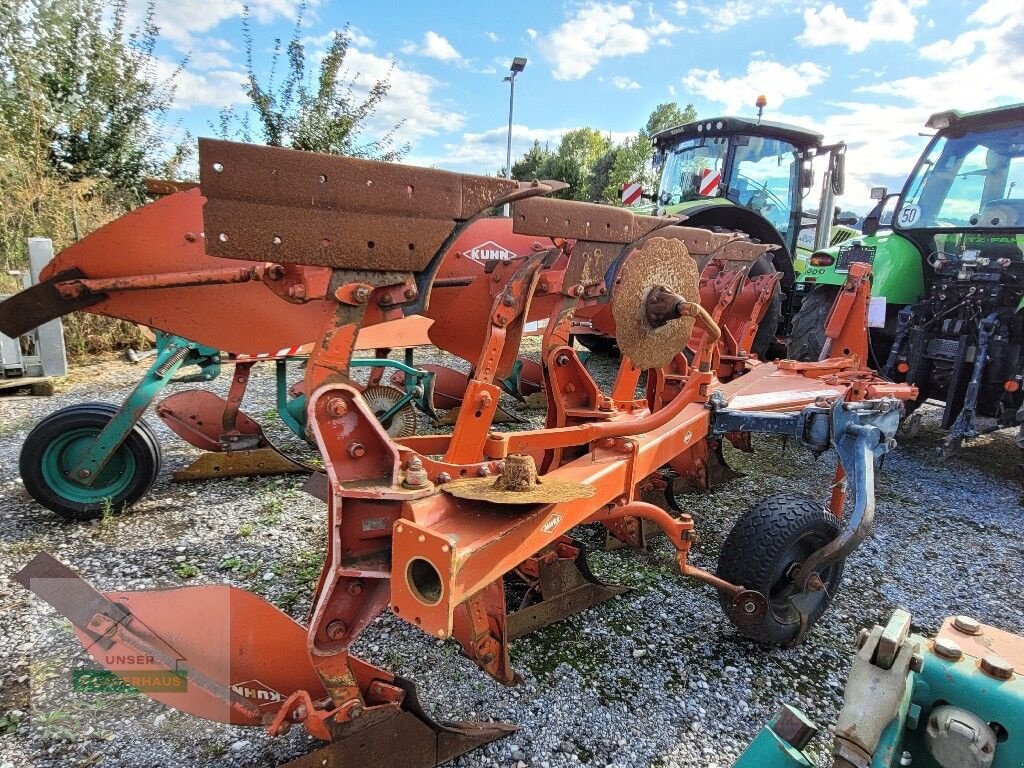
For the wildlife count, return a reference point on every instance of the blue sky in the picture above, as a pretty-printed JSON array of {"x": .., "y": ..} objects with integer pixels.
[{"x": 869, "y": 73}]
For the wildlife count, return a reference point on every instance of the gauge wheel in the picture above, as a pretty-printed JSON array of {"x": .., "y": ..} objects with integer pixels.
[
  {"x": 382, "y": 399},
  {"x": 54, "y": 446},
  {"x": 762, "y": 553}
]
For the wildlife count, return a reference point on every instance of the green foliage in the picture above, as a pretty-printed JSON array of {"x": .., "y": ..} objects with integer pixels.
[
  {"x": 328, "y": 116},
  {"x": 668, "y": 115},
  {"x": 578, "y": 153},
  {"x": 594, "y": 168},
  {"x": 83, "y": 97}
]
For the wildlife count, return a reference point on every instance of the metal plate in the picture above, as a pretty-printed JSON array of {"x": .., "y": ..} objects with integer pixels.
[
  {"x": 854, "y": 252},
  {"x": 582, "y": 221},
  {"x": 30, "y": 308}
]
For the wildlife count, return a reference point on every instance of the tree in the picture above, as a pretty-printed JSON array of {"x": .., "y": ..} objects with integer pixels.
[
  {"x": 632, "y": 163},
  {"x": 536, "y": 163},
  {"x": 330, "y": 117},
  {"x": 578, "y": 152},
  {"x": 668, "y": 115},
  {"x": 82, "y": 97}
]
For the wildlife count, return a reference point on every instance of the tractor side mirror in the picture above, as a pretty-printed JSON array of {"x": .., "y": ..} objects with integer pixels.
[
  {"x": 873, "y": 222},
  {"x": 879, "y": 193},
  {"x": 806, "y": 176},
  {"x": 839, "y": 174}
]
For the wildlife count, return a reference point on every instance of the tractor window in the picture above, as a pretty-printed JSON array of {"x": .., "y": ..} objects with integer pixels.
[
  {"x": 970, "y": 181},
  {"x": 765, "y": 178},
  {"x": 693, "y": 169}
]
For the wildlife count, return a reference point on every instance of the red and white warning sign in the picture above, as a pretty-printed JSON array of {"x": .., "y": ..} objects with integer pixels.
[
  {"x": 709, "y": 181},
  {"x": 631, "y": 192}
]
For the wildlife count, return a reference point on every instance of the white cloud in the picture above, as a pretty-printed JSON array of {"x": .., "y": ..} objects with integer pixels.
[
  {"x": 215, "y": 88},
  {"x": 531, "y": 33},
  {"x": 208, "y": 60},
  {"x": 777, "y": 82},
  {"x": 600, "y": 30},
  {"x": 983, "y": 66},
  {"x": 680, "y": 7},
  {"x": 625, "y": 83},
  {"x": 434, "y": 46},
  {"x": 886, "y": 21},
  {"x": 726, "y": 14},
  {"x": 492, "y": 37}
]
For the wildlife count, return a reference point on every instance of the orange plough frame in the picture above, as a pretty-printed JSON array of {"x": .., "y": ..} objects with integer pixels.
[{"x": 328, "y": 247}]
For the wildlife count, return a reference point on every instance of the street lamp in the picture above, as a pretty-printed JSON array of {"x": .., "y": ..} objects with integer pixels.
[{"x": 518, "y": 65}]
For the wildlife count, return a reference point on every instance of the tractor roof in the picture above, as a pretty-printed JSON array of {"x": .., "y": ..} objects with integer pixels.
[
  {"x": 957, "y": 121},
  {"x": 726, "y": 126}
]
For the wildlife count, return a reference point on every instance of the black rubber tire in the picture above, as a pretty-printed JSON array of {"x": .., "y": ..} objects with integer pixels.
[
  {"x": 808, "y": 336},
  {"x": 598, "y": 344},
  {"x": 769, "y": 325},
  {"x": 141, "y": 442},
  {"x": 760, "y": 551}
]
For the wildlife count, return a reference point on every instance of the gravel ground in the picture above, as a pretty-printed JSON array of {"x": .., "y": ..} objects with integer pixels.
[{"x": 657, "y": 677}]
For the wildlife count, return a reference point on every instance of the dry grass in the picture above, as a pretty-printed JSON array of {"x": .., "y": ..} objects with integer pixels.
[{"x": 34, "y": 203}]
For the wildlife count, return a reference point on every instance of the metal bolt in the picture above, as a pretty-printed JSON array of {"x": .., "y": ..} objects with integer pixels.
[
  {"x": 562, "y": 360},
  {"x": 997, "y": 667},
  {"x": 508, "y": 300},
  {"x": 947, "y": 649},
  {"x": 190, "y": 237},
  {"x": 84, "y": 473},
  {"x": 443, "y": 477},
  {"x": 386, "y": 299},
  {"x": 336, "y": 629},
  {"x": 297, "y": 291},
  {"x": 361, "y": 294},
  {"x": 410, "y": 293},
  {"x": 337, "y": 407},
  {"x": 749, "y": 607},
  {"x": 357, "y": 450},
  {"x": 415, "y": 475},
  {"x": 484, "y": 471},
  {"x": 906, "y": 758},
  {"x": 862, "y": 637},
  {"x": 967, "y": 625},
  {"x": 355, "y": 587}
]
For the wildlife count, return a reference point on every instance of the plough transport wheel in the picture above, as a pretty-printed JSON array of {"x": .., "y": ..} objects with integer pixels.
[
  {"x": 763, "y": 552},
  {"x": 54, "y": 447}
]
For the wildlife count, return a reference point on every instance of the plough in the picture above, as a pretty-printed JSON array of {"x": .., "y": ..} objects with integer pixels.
[{"x": 430, "y": 527}]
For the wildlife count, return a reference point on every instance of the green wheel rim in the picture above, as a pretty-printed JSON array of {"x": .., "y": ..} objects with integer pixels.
[{"x": 64, "y": 453}]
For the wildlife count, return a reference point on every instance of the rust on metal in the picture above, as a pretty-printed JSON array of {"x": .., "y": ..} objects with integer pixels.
[
  {"x": 582, "y": 221},
  {"x": 247, "y": 463},
  {"x": 518, "y": 483},
  {"x": 162, "y": 187}
]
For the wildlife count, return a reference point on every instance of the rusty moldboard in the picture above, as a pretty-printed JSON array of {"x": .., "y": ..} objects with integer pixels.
[
  {"x": 582, "y": 221},
  {"x": 256, "y": 462}
]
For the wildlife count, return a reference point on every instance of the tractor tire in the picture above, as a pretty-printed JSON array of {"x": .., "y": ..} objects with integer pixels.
[
  {"x": 808, "y": 336},
  {"x": 598, "y": 343},
  {"x": 760, "y": 553},
  {"x": 51, "y": 450},
  {"x": 769, "y": 324}
]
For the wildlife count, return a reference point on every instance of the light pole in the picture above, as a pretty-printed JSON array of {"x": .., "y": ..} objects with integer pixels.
[{"x": 518, "y": 65}]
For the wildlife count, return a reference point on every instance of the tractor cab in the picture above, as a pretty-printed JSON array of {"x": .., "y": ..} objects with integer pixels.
[{"x": 712, "y": 167}]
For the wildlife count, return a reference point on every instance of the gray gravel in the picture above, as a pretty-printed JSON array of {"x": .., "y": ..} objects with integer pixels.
[{"x": 655, "y": 678}]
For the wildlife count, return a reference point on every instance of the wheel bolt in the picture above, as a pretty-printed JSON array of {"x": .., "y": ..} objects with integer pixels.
[
  {"x": 357, "y": 450},
  {"x": 84, "y": 473},
  {"x": 336, "y": 629}
]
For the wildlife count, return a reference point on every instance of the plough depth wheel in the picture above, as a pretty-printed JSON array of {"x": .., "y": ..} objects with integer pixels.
[
  {"x": 56, "y": 444},
  {"x": 763, "y": 552}
]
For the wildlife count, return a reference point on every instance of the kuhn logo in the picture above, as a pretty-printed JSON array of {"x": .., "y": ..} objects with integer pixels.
[
  {"x": 490, "y": 251},
  {"x": 256, "y": 691}
]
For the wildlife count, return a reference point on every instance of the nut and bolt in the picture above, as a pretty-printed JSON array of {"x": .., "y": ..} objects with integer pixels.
[
  {"x": 967, "y": 625},
  {"x": 337, "y": 407},
  {"x": 336, "y": 629},
  {"x": 443, "y": 477},
  {"x": 562, "y": 360},
  {"x": 749, "y": 606},
  {"x": 997, "y": 667},
  {"x": 84, "y": 473},
  {"x": 508, "y": 300},
  {"x": 410, "y": 293},
  {"x": 190, "y": 237},
  {"x": 355, "y": 587},
  {"x": 361, "y": 294},
  {"x": 948, "y": 649},
  {"x": 415, "y": 474},
  {"x": 357, "y": 450},
  {"x": 906, "y": 758},
  {"x": 386, "y": 299},
  {"x": 297, "y": 291},
  {"x": 484, "y": 471}
]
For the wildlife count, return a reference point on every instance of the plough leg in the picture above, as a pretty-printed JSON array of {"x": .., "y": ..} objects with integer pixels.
[{"x": 562, "y": 584}]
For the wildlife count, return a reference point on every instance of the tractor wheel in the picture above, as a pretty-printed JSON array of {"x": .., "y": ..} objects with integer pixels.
[
  {"x": 598, "y": 344},
  {"x": 769, "y": 324},
  {"x": 808, "y": 336},
  {"x": 761, "y": 553},
  {"x": 53, "y": 447}
]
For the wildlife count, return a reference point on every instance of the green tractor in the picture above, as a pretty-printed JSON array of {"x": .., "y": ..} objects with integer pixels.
[
  {"x": 948, "y": 262},
  {"x": 757, "y": 177}
]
